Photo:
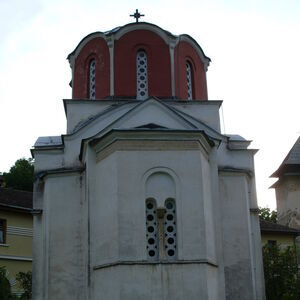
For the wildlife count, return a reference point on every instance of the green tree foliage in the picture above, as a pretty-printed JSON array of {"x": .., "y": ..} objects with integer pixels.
[
  {"x": 5, "y": 293},
  {"x": 267, "y": 214},
  {"x": 20, "y": 175},
  {"x": 281, "y": 273},
  {"x": 25, "y": 281}
]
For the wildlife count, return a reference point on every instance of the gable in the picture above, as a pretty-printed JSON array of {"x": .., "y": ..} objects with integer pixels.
[{"x": 151, "y": 111}]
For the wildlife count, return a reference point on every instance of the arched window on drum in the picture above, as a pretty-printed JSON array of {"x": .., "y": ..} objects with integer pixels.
[
  {"x": 141, "y": 75},
  {"x": 189, "y": 80},
  {"x": 92, "y": 79}
]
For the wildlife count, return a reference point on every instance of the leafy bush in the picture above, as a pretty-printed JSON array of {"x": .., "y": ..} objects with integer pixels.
[
  {"x": 5, "y": 292},
  {"x": 25, "y": 281},
  {"x": 267, "y": 214},
  {"x": 282, "y": 278}
]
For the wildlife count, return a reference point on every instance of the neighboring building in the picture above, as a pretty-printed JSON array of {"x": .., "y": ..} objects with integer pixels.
[
  {"x": 1, "y": 180},
  {"x": 144, "y": 197},
  {"x": 287, "y": 188},
  {"x": 273, "y": 233},
  {"x": 15, "y": 233}
]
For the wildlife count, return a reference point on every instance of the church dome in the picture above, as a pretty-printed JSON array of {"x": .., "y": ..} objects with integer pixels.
[{"x": 137, "y": 61}]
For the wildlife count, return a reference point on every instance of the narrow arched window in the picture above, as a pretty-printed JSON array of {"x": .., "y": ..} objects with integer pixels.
[
  {"x": 92, "y": 79},
  {"x": 189, "y": 80},
  {"x": 141, "y": 75},
  {"x": 151, "y": 229},
  {"x": 170, "y": 229}
]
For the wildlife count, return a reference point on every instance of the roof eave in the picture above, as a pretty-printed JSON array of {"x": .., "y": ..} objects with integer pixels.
[{"x": 15, "y": 208}]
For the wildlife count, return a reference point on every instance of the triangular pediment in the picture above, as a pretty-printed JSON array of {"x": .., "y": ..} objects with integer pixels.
[
  {"x": 129, "y": 116},
  {"x": 152, "y": 111}
]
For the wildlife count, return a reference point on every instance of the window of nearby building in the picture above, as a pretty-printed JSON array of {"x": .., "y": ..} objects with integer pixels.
[
  {"x": 92, "y": 79},
  {"x": 189, "y": 80},
  {"x": 272, "y": 243},
  {"x": 141, "y": 75},
  {"x": 2, "y": 231}
]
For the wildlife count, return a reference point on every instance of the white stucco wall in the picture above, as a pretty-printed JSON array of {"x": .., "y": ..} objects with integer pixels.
[
  {"x": 117, "y": 213},
  {"x": 62, "y": 245},
  {"x": 237, "y": 239},
  {"x": 173, "y": 281},
  {"x": 94, "y": 208}
]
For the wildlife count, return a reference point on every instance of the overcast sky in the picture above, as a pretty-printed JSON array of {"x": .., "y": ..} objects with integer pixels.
[{"x": 254, "y": 47}]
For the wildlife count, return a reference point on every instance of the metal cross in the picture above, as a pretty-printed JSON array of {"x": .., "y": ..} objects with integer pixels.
[{"x": 137, "y": 15}]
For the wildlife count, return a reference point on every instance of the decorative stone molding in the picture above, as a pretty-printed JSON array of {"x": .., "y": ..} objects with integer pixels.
[{"x": 160, "y": 262}]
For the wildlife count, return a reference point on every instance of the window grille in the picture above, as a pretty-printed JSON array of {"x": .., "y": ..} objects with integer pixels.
[
  {"x": 170, "y": 229},
  {"x": 92, "y": 79},
  {"x": 141, "y": 75},
  {"x": 189, "y": 81},
  {"x": 161, "y": 230},
  {"x": 151, "y": 228}
]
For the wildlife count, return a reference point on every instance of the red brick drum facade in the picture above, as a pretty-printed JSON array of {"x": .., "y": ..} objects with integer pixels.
[{"x": 170, "y": 60}]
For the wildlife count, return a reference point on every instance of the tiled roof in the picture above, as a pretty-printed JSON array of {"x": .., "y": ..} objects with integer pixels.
[
  {"x": 294, "y": 155},
  {"x": 291, "y": 164},
  {"x": 134, "y": 24},
  {"x": 266, "y": 226},
  {"x": 16, "y": 199}
]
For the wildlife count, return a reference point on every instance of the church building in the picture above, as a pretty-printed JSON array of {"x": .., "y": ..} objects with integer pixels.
[{"x": 143, "y": 197}]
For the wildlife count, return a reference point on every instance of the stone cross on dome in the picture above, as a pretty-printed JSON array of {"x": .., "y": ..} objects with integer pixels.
[{"x": 137, "y": 15}]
